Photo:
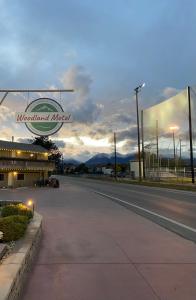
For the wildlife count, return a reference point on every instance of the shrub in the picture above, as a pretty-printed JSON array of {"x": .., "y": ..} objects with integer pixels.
[
  {"x": 20, "y": 219},
  {"x": 19, "y": 209},
  {"x": 13, "y": 227},
  {"x": 7, "y": 202}
]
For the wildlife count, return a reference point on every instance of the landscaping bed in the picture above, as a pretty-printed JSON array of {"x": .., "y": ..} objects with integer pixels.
[
  {"x": 20, "y": 234},
  {"x": 14, "y": 219},
  {"x": 18, "y": 260}
]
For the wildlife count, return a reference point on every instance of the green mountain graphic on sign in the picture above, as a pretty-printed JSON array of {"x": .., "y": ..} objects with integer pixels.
[{"x": 44, "y": 107}]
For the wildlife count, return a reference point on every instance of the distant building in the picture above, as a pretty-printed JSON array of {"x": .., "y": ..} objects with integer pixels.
[
  {"x": 23, "y": 164},
  {"x": 134, "y": 168},
  {"x": 107, "y": 171}
]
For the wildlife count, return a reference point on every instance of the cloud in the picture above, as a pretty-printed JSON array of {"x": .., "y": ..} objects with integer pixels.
[
  {"x": 129, "y": 146},
  {"x": 25, "y": 140},
  {"x": 83, "y": 109},
  {"x": 6, "y": 114},
  {"x": 85, "y": 34},
  {"x": 130, "y": 133},
  {"x": 77, "y": 78},
  {"x": 123, "y": 118},
  {"x": 6, "y": 133},
  {"x": 170, "y": 92},
  {"x": 59, "y": 143}
]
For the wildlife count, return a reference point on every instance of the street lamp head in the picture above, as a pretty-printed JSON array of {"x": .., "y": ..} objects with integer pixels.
[
  {"x": 139, "y": 87},
  {"x": 174, "y": 127}
]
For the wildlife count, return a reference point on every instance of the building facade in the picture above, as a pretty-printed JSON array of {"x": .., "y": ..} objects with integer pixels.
[
  {"x": 134, "y": 168},
  {"x": 23, "y": 164}
]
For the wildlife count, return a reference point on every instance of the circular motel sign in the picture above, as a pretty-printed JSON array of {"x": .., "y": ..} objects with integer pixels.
[{"x": 43, "y": 117}]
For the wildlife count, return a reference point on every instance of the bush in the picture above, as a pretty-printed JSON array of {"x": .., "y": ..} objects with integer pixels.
[
  {"x": 7, "y": 202},
  {"x": 20, "y": 219},
  {"x": 13, "y": 227},
  {"x": 19, "y": 209}
]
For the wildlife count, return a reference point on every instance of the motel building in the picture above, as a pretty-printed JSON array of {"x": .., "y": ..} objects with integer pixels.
[{"x": 23, "y": 164}]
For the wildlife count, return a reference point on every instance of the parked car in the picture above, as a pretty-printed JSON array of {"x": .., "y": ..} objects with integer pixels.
[
  {"x": 53, "y": 182},
  {"x": 122, "y": 174}
]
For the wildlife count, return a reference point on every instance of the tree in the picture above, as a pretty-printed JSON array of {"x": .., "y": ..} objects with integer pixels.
[
  {"x": 82, "y": 168},
  {"x": 55, "y": 153}
]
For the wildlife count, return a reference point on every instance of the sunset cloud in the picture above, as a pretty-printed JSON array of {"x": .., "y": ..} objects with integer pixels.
[{"x": 100, "y": 53}]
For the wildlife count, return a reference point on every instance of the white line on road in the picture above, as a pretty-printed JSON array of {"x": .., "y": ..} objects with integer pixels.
[{"x": 148, "y": 211}]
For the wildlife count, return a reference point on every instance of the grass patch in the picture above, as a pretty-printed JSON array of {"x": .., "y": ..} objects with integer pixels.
[{"x": 170, "y": 185}]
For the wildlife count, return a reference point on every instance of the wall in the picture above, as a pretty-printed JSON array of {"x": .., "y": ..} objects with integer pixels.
[
  {"x": 29, "y": 179},
  {"x": 4, "y": 182},
  {"x": 134, "y": 167}
]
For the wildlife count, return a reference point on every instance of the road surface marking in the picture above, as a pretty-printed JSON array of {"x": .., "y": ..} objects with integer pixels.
[{"x": 148, "y": 211}]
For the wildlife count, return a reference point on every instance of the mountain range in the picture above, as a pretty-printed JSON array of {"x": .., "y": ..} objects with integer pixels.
[
  {"x": 103, "y": 159},
  {"x": 71, "y": 161}
]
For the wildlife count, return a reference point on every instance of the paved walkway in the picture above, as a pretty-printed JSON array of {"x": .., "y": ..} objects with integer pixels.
[{"x": 94, "y": 249}]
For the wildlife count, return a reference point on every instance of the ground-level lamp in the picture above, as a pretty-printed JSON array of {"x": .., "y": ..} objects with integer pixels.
[
  {"x": 31, "y": 205},
  {"x": 137, "y": 90}
]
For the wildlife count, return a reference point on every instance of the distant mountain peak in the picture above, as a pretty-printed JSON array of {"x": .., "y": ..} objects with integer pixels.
[
  {"x": 102, "y": 155},
  {"x": 104, "y": 159},
  {"x": 71, "y": 161}
]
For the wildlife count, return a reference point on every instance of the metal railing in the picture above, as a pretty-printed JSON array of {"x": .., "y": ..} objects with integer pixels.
[{"x": 26, "y": 165}]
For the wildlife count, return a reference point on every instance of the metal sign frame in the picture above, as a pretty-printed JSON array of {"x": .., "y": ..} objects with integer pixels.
[{"x": 7, "y": 91}]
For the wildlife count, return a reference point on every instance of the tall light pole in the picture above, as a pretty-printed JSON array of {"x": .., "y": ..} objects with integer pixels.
[
  {"x": 191, "y": 136},
  {"x": 157, "y": 146},
  {"x": 173, "y": 128},
  {"x": 137, "y": 90},
  {"x": 115, "y": 160}
]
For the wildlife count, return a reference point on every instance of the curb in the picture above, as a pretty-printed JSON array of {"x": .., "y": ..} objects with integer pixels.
[{"x": 14, "y": 268}]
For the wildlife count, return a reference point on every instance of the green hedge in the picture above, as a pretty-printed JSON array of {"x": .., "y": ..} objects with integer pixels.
[
  {"x": 19, "y": 209},
  {"x": 13, "y": 227},
  {"x": 8, "y": 202}
]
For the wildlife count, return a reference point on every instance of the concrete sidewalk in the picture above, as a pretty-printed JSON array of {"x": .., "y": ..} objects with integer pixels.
[{"x": 95, "y": 249}]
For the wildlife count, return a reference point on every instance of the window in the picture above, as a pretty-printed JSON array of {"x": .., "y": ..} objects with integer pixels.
[
  {"x": 20, "y": 176},
  {"x": 1, "y": 177}
]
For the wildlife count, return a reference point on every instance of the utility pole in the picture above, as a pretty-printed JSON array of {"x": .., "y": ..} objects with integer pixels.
[
  {"x": 180, "y": 141},
  {"x": 138, "y": 135},
  {"x": 143, "y": 152},
  {"x": 173, "y": 134},
  {"x": 191, "y": 136},
  {"x": 137, "y": 90},
  {"x": 157, "y": 144},
  {"x": 115, "y": 165}
]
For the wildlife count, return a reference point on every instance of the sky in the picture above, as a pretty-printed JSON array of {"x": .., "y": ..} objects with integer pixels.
[{"x": 101, "y": 49}]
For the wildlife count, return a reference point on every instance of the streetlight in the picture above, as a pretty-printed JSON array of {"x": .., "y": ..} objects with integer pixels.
[
  {"x": 137, "y": 90},
  {"x": 173, "y": 128}
]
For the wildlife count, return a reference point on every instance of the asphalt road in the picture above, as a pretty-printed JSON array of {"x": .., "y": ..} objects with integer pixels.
[
  {"x": 93, "y": 248},
  {"x": 172, "y": 209}
]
